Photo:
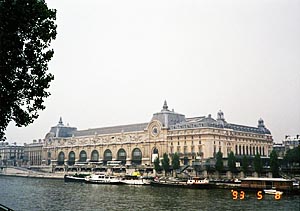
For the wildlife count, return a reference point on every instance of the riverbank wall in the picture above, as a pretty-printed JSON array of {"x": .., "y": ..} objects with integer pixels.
[{"x": 17, "y": 172}]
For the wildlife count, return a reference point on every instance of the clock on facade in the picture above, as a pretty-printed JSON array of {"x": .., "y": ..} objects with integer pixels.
[{"x": 155, "y": 131}]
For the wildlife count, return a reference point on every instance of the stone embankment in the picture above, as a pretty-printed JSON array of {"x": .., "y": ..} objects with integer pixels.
[{"x": 9, "y": 171}]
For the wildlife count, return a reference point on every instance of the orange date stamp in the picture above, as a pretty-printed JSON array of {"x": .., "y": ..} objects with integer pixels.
[{"x": 240, "y": 195}]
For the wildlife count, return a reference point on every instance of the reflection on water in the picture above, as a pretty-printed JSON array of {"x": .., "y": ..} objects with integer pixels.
[{"x": 45, "y": 194}]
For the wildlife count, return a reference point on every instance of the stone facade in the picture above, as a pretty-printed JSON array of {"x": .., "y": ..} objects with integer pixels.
[
  {"x": 290, "y": 142},
  {"x": 33, "y": 153},
  {"x": 11, "y": 155},
  {"x": 194, "y": 139}
]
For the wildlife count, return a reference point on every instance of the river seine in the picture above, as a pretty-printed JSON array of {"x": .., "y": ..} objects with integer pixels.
[{"x": 33, "y": 194}]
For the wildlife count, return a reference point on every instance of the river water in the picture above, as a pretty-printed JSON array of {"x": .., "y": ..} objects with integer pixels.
[{"x": 49, "y": 194}]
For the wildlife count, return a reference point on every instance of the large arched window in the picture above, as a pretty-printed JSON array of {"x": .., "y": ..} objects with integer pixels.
[
  {"x": 61, "y": 159},
  {"x": 82, "y": 156},
  {"x": 154, "y": 154},
  {"x": 107, "y": 156},
  {"x": 136, "y": 156},
  {"x": 95, "y": 156},
  {"x": 71, "y": 160},
  {"x": 122, "y": 156}
]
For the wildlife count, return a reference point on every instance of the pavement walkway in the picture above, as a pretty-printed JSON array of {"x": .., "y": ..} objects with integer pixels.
[{"x": 10, "y": 171}]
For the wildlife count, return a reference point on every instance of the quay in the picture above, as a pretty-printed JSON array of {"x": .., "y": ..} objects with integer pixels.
[
  {"x": 244, "y": 184},
  {"x": 23, "y": 172}
]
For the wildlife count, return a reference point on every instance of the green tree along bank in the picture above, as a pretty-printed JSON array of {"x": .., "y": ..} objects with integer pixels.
[
  {"x": 219, "y": 162},
  {"x": 175, "y": 162},
  {"x": 245, "y": 164},
  {"x": 292, "y": 156},
  {"x": 165, "y": 162},
  {"x": 156, "y": 165},
  {"x": 274, "y": 164},
  {"x": 231, "y": 162},
  {"x": 257, "y": 164},
  {"x": 27, "y": 28}
]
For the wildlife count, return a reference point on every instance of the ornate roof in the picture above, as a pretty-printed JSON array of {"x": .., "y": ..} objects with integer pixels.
[
  {"x": 111, "y": 130},
  {"x": 169, "y": 119},
  {"x": 197, "y": 122}
]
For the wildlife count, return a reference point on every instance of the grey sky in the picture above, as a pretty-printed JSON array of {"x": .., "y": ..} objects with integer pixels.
[{"x": 116, "y": 62}]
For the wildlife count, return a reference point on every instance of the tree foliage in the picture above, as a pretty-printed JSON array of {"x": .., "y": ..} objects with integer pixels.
[
  {"x": 26, "y": 30},
  {"x": 257, "y": 163},
  {"x": 156, "y": 164},
  {"x": 175, "y": 161},
  {"x": 231, "y": 162},
  {"x": 274, "y": 164},
  {"x": 245, "y": 164},
  {"x": 293, "y": 156},
  {"x": 219, "y": 162},
  {"x": 165, "y": 162}
]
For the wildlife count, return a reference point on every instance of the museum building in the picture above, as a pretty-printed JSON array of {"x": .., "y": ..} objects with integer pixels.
[{"x": 194, "y": 139}]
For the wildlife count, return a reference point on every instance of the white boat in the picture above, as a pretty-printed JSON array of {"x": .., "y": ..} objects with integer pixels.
[
  {"x": 75, "y": 178},
  {"x": 135, "y": 180},
  {"x": 196, "y": 182},
  {"x": 272, "y": 191},
  {"x": 103, "y": 179}
]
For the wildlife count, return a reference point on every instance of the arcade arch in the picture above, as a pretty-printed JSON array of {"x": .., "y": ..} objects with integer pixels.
[
  {"x": 121, "y": 156},
  {"x": 107, "y": 156},
  {"x": 155, "y": 154},
  {"x": 136, "y": 156},
  {"x": 71, "y": 160},
  {"x": 95, "y": 156},
  {"x": 82, "y": 156},
  {"x": 61, "y": 159}
]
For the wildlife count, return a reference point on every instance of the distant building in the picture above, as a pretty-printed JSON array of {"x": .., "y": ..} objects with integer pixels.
[
  {"x": 11, "y": 155},
  {"x": 280, "y": 149},
  {"x": 289, "y": 142},
  {"x": 33, "y": 153},
  {"x": 194, "y": 139}
]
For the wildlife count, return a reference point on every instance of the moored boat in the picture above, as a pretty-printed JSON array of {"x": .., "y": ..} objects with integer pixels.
[
  {"x": 272, "y": 191},
  {"x": 197, "y": 182},
  {"x": 75, "y": 177},
  {"x": 173, "y": 182},
  {"x": 267, "y": 184},
  {"x": 135, "y": 180},
  {"x": 194, "y": 182},
  {"x": 103, "y": 179}
]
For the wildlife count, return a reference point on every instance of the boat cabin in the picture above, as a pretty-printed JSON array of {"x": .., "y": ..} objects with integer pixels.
[{"x": 266, "y": 183}]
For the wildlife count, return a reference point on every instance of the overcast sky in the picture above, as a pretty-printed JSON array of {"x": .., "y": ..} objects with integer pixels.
[{"x": 115, "y": 63}]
